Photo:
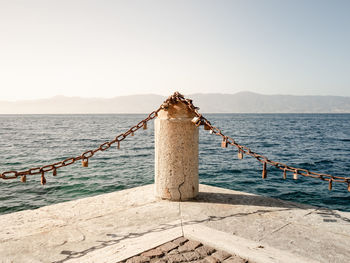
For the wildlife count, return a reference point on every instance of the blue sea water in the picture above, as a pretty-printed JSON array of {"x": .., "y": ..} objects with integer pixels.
[{"x": 319, "y": 142}]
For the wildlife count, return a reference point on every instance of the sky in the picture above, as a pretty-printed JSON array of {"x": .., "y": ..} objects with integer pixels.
[{"x": 115, "y": 48}]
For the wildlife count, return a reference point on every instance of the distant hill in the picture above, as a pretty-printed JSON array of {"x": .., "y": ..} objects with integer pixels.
[
  {"x": 249, "y": 102},
  {"x": 242, "y": 102}
]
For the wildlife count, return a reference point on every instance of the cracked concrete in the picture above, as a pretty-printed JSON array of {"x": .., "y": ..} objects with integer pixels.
[{"x": 116, "y": 226}]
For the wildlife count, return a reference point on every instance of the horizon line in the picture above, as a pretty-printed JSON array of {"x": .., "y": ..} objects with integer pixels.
[{"x": 154, "y": 94}]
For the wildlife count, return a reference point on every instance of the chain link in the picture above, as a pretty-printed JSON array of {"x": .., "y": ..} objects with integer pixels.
[{"x": 198, "y": 120}]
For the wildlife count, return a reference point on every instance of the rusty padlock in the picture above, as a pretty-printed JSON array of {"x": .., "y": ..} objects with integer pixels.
[
  {"x": 195, "y": 120},
  {"x": 285, "y": 173},
  {"x": 85, "y": 162},
  {"x": 240, "y": 154},
  {"x": 330, "y": 184},
  {"x": 264, "y": 172},
  {"x": 295, "y": 175},
  {"x": 23, "y": 178},
  {"x": 43, "y": 179},
  {"x": 224, "y": 142},
  {"x": 206, "y": 127}
]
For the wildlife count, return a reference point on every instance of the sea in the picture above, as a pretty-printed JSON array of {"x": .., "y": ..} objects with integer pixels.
[{"x": 319, "y": 142}]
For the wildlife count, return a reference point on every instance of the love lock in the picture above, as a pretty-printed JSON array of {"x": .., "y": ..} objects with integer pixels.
[
  {"x": 264, "y": 172},
  {"x": 206, "y": 127},
  {"x": 85, "y": 162},
  {"x": 330, "y": 184},
  {"x": 43, "y": 179},
  {"x": 295, "y": 175},
  {"x": 240, "y": 154},
  {"x": 224, "y": 143},
  {"x": 285, "y": 173},
  {"x": 23, "y": 178},
  {"x": 196, "y": 120}
]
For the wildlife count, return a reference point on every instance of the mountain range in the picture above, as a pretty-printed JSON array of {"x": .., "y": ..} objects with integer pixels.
[{"x": 242, "y": 102}]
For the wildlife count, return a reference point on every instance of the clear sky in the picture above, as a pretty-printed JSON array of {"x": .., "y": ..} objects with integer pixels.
[{"x": 110, "y": 48}]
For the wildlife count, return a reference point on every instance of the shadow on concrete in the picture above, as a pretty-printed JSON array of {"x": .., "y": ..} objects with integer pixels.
[
  {"x": 114, "y": 239},
  {"x": 117, "y": 238},
  {"x": 249, "y": 200},
  {"x": 328, "y": 215}
]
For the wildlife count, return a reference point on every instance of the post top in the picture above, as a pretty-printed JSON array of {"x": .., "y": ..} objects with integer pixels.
[{"x": 176, "y": 110}]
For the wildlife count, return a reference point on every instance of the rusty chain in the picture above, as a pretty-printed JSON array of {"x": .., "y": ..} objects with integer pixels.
[
  {"x": 198, "y": 120},
  {"x": 84, "y": 156}
]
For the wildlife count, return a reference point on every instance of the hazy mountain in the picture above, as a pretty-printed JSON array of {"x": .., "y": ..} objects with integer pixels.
[
  {"x": 242, "y": 102},
  {"x": 249, "y": 102},
  {"x": 63, "y": 105}
]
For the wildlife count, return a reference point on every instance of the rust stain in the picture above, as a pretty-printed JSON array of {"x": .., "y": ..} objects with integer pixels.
[{"x": 166, "y": 193}]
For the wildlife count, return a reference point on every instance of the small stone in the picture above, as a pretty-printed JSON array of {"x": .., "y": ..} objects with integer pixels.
[
  {"x": 210, "y": 259},
  {"x": 174, "y": 251},
  {"x": 235, "y": 259},
  {"x": 153, "y": 253},
  {"x": 168, "y": 246},
  {"x": 221, "y": 255},
  {"x": 179, "y": 241},
  {"x": 138, "y": 259},
  {"x": 175, "y": 258},
  {"x": 192, "y": 255},
  {"x": 189, "y": 246},
  {"x": 205, "y": 250}
]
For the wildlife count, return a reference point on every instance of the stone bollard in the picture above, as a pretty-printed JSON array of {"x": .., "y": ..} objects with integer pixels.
[{"x": 176, "y": 153}]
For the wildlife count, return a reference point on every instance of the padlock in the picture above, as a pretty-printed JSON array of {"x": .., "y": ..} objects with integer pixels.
[
  {"x": 165, "y": 105},
  {"x": 330, "y": 184},
  {"x": 206, "y": 127},
  {"x": 211, "y": 132},
  {"x": 285, "y": 173},
  {"x": 240, "y": 154},
  {"x": 54, "y": 172},
  {"x": 195, "y": 120},
  {"x": 118, "y": 144},
  {"x": 23, "y": 178},
  {"x": 43, "y": 179},
  {"x": 264, "y": 171},
  {"x": 132, "y": 133},
  {"x": 348, "y": 186},
  {"x": 224, "y": 143},
  {"x": 145, "y": 125},
  {"x": 85, "y": 162},
  {"x": 295, "y": 175}
]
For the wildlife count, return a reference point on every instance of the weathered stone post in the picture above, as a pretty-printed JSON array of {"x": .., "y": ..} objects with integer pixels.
[{"x": 176, "y": 153}]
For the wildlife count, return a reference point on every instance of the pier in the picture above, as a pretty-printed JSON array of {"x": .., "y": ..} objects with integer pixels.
[{"x": 116, "y": 226}]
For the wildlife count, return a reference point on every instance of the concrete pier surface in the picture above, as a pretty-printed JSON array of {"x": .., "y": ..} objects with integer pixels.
[{"x": 116, "y": 226}]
